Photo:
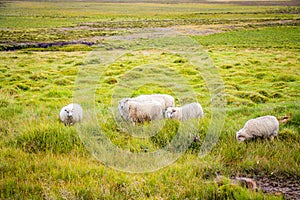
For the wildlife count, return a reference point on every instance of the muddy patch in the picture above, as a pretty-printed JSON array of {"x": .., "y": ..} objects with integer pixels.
[
  {"x": 289, "y": 187},
  {"x": 286, "y": 185}
]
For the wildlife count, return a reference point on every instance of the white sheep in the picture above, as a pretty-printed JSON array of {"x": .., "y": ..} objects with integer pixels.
[
  {"x": 265, "y": 127},
  {"x": 71, "y": 114},
  {"x": 188, "y": 111},
  {"x": 164, "y": 99},
  {"x": 140, "y": 111}
]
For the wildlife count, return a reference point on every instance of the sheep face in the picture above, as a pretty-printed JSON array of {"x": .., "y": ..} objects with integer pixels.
[
  {"x": 240, "y": 137},
  {"x": 122, "y": 103},
  {"x": 122, "y": 108},
  {"x": 69, "y": 112},
  {"x": 171, "y": 112}
]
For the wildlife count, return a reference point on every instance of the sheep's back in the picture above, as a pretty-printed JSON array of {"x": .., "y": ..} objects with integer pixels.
[
  {"x": 77, "y": 112},
  {"x": 262, "y": 126},
  {"x": 192, "y": 110},
  {"x": 164, "y": 99}
]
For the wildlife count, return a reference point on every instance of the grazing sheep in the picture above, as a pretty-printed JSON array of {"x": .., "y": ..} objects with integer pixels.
[
  {"x": 265, "y": 127},
  {"x": 164, "y": 99},
  {"x": 140, "y": 111},
  {"x": 71, "y": 114},
  {"x": 188, "y": 111}
]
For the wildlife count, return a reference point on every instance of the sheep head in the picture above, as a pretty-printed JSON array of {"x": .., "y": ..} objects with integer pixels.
[
  {"x": 240, "y": 136},
  {"x": 123, "y": 102},
  {"x": 171, "y": 112},
  {"x": 69, "y": 111}
]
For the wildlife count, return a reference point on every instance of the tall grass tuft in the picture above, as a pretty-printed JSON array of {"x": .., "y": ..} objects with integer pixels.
[{"x": 48, "y": 138}]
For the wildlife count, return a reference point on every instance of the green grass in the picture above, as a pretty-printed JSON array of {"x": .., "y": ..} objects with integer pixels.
[
  {"x": 43, "y": 159},
  {"x": 272, "y": 37}
]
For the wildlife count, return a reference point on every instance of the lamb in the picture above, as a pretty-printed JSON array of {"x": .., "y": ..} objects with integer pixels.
[
  {"x": 264, "y": 127},
  {"x": 140, "y": 111},
  {"x": 188, "y": 111},
  {"x": 71, "y": 114}
]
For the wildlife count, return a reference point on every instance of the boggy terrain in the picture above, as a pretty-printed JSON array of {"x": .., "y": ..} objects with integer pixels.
[{"x": 49, "y": 50}]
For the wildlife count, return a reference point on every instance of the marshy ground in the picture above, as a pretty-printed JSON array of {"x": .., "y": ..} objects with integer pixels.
[{"x": 45, "y": 47}]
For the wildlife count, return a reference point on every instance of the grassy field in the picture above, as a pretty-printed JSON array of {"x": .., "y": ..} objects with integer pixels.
[{"x": 45, "y": 46}]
